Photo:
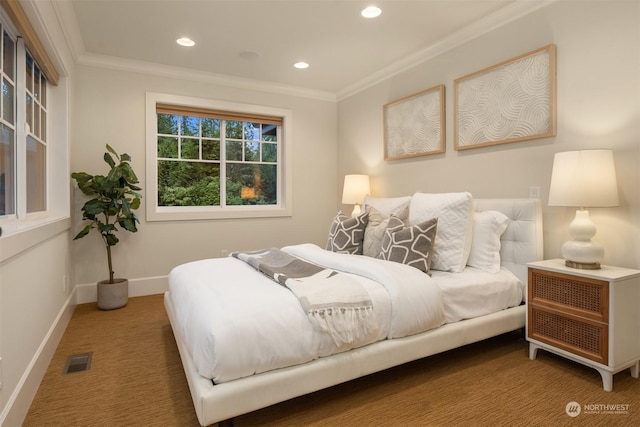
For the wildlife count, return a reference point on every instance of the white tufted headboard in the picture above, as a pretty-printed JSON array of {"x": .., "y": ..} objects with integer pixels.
[{"x": 522, "y": 241}]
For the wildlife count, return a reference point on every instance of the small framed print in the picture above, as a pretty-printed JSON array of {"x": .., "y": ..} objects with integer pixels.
[{"x": 415, "y": 125}]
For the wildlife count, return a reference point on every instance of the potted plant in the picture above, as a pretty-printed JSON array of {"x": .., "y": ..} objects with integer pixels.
[{"x": 115, "y": 197}]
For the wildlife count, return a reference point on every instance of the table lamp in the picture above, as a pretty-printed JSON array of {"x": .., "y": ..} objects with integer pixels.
[
  {"x": 354, "y": 190},
  {"x": 583, "y": 179}
]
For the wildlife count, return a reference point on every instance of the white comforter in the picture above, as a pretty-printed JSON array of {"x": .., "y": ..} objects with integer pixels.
[{"x": 236, "y": 322}]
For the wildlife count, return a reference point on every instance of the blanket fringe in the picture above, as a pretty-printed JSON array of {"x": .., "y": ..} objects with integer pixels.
[{"x": 344, "y": 325}]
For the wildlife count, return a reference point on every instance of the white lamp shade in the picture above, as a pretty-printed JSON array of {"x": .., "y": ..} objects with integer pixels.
[
  {"x": 355, "y": 188},
  {"x": 584, "y": 179}
]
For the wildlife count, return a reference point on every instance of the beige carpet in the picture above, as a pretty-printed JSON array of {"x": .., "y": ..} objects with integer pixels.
[{"x": 136, "y": 379}]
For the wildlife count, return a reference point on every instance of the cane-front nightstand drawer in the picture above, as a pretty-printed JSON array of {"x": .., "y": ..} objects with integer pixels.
[
  {"x": 571, "y": 294},
  {"x": 577, "y": 335}
]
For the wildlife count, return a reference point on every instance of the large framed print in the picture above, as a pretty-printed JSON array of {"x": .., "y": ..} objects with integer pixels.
[
  {"x": 414, "y": 125},
  {"x": 512, "y": 101}
]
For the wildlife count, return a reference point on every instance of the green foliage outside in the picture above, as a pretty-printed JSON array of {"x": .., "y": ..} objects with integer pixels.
[{"x": 188, "y": 177}]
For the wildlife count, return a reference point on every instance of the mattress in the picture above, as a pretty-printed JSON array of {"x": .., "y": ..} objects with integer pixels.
[
  {"x": 236, "y": 322},
  {"x": 474, "y": 292}
]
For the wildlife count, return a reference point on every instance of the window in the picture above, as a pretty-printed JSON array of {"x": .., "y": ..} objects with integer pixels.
[
  {"x": 23, "y": 190},
  {"x": 214, "y": 159}
]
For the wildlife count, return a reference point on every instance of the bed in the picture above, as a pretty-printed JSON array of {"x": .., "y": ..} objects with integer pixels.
[{"x": 220, "y": 395}]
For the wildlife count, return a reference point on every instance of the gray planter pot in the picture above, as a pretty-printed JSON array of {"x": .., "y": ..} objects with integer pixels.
[{"x": 113, "y": 295}]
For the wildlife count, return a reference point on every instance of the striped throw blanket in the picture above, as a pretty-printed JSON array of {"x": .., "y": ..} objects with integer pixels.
[{"x": 334, "y": 302}]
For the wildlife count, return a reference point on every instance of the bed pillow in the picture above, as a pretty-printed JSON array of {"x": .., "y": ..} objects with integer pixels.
[
  {"x": 386, "y": 205},
  {"x": 455, "y": 226},
  {"x": 488, "y": 227},
  {"x": 378, "y": 222},
  {"x": 411, "y": 245},
  {"x": 346, "y": 234}
]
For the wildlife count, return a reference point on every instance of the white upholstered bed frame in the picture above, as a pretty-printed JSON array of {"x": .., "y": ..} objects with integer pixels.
[{"x": 521, "y": 243}]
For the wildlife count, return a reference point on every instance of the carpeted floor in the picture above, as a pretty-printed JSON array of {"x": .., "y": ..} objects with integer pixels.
[{"x": 136, "y": 379}]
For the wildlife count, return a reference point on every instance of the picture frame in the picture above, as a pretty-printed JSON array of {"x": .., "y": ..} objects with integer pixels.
[
  {"x": 512, "y": 101},
  {"x": 415, "y": 125}
]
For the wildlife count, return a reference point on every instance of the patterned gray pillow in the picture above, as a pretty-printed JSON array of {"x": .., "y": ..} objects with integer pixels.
[
  {"x": 347, "y": 234},
  {"x": 409, "y": 245},
  {"x": 377, "y": 225}
]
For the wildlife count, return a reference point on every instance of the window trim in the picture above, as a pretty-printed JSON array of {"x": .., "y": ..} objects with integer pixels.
[{"x": 177, "y": 213}]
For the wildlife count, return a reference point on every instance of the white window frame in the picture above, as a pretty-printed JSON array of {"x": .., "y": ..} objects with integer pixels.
[{"x": 177, "y": 213}]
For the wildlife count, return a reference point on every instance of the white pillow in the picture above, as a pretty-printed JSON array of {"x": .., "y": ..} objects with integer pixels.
[
  {"x": 386, "y": 205},
  {"x": 455, "y": 226},
  {"x": 488, "y": 227}
]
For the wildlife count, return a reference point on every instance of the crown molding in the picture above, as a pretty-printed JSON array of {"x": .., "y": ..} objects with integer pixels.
[
  {"x": 482, "y": 26},
  {"x": 110, "y": 62}
]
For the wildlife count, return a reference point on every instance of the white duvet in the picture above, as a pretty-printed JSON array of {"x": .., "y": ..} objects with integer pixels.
[{"x": 237, "y": 322}]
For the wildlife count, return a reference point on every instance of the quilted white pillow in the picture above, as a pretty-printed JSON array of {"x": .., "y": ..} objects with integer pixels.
[
  {"x": 488, "y": 227},
  {"x": 455, "y": 226}
]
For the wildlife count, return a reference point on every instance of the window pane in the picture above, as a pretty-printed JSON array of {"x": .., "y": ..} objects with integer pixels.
[
  {"x": 188, "y": 184},
  {"x": 190, "y": 149},
  {"x": 36, "y": 120},
  {"x": 269, "y": 152},
  {"x": 251, "y": 184},
  {"x": 7, "y": 159},
  {"x": 233, "y": 129},
  {"x": 168, "y": 124},
  {"x": 167, "y": 147},
  {"x": 8, "y": 56},
  {"x": 36, "y": 84},
  {"x": 43, "y": 126},
  {"x": 269, "y": 133},
  {"x": 7, "y": 101},
  {"x": 234, "y": 150},
  {"x": 29, "y": 73},
  {"x": 30, "y": 111},
  {"x": 251, "y": 151},
  {"x": 210, "y": 128},
  {"x": 43, "y": 91},
  {"x": 190, "y": 126},
  {"x": 36, "y": 176},
  {"x": 210, "y": 150},
  {"x": 252, "y": 131}
]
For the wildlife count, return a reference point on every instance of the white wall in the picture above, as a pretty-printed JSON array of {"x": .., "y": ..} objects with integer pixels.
[
  {"x": 36, "y": 299},
  {"x": 111, "y": 109},
  {"x": 598, "y": 81}
]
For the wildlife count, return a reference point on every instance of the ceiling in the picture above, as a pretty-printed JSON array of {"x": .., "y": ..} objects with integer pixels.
[{"x": 260, "y": 40}]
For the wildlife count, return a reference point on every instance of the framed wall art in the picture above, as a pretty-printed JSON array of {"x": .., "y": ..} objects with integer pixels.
[
  {"x": 414, "y": 125},
  {"x": 512, "y": 101}
]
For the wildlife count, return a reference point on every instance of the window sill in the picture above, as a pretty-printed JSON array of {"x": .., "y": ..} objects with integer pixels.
[{"x": 19, "y": 236}]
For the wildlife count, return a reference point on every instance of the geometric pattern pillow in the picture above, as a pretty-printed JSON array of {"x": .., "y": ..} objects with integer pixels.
[
  {"x": 409, "y": 245},
  {"x": 377, "y": 225},
  {"x": 346, "y": 234}
]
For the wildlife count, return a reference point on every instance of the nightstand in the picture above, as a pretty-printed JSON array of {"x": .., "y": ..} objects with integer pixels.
[{"x": 589, "y": 316}]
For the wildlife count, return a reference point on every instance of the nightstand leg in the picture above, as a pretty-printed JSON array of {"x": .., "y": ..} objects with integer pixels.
[
  {"x": 635, "y": 369},
  {"x": 607, "y": 379},
  {"x": 533, "y": 351}
]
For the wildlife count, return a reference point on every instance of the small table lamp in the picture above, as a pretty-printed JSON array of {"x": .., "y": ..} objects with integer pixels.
[
  {"x": 583, "y": 179},
  {"x": 354, "y": 190}
]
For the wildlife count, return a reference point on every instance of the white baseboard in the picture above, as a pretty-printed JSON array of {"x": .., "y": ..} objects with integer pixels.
[
  {"x": 137, "y": 287},
  {"x": 20, "y": 400},
  {"x": 18, "y": 404}
]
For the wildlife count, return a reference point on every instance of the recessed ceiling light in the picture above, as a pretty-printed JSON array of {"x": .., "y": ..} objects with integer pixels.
[
  {"x": 301, "y": 65},
  {"x": 371, "y": 12},
  {"x": 185, "y": 41}
]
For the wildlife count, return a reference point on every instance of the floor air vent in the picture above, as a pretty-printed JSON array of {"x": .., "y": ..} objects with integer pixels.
[{"x": 77, "y": 363}]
